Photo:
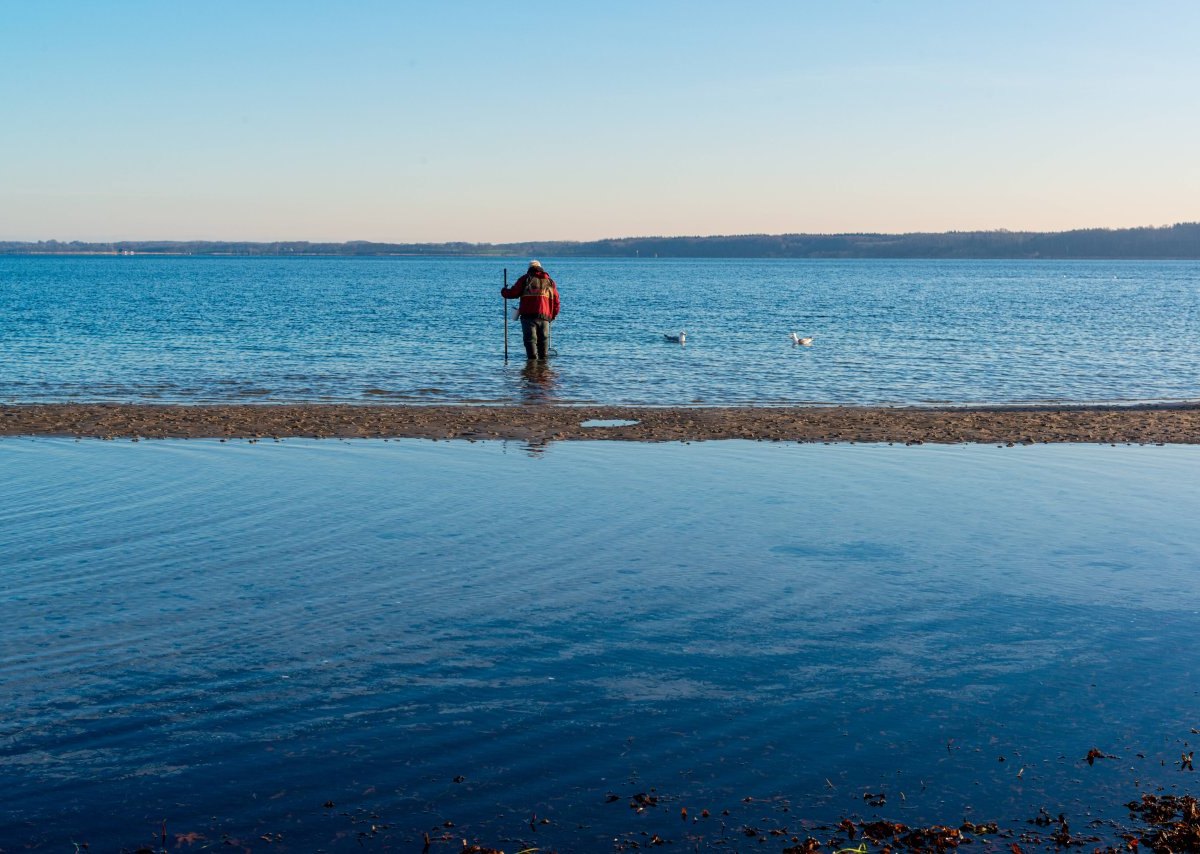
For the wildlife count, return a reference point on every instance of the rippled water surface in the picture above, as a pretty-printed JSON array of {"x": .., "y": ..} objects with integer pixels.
[
  {"x": 230, "y": 637},
  {"x": 431, "y": 330}
]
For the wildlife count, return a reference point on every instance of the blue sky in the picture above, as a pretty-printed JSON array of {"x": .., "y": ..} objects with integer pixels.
[{"x": 489, "y": 121}]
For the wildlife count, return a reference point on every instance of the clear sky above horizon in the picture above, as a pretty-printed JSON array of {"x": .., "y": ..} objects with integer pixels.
[{"x": 495, "y": 122}]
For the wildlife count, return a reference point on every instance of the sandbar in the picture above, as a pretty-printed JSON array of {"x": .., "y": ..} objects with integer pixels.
[{"x": 1143, "y": 424}]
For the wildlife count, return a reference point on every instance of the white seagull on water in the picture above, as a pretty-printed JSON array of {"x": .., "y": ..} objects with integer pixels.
[
  {"x": 803, "y": 342},
  {"x": 681, "y": 338}
]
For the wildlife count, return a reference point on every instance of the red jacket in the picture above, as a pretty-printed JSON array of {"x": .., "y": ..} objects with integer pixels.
[{"x": 538, "y": 295}]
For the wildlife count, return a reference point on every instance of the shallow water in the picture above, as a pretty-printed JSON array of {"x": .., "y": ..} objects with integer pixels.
[
  {"x": 181, "y": 329},
  {"x": 229, "y": 636}
]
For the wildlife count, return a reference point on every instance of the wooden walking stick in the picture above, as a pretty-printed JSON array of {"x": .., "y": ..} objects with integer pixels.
[{"x": 506, "y": 317}]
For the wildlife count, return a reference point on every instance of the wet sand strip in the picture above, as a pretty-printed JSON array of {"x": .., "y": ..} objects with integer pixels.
[{"x": 1170, "y": 424}]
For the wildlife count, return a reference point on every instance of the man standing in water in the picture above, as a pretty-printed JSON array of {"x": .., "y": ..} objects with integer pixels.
[{"x": 537, "y": 309}]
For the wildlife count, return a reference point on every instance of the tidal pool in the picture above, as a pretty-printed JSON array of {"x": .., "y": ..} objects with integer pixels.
[
  {"x": 608, "y": 422},
  {"x": 328, "y": 645}
]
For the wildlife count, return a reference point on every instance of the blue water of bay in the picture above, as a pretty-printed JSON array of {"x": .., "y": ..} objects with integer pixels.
[
  {"x": 317, "y": 645},
  {"x": 426, "y": 330}
]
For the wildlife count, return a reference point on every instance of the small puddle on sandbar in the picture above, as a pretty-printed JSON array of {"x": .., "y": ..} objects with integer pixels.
[{"x": 607, "y": 422}]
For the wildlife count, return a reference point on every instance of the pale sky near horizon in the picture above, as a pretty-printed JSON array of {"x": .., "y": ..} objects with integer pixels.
[{"x": 495, "y": 122}]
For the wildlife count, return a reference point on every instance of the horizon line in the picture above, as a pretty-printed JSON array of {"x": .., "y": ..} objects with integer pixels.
[{"x": 605, "y": 239}]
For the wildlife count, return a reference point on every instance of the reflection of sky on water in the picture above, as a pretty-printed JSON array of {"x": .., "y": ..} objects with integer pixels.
[{"x": 192, "y": 629}]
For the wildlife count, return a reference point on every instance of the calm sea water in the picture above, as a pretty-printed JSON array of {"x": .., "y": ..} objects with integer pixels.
[
  {"x": 431, "y": 330},
  {"x": 229, "y": 637}
]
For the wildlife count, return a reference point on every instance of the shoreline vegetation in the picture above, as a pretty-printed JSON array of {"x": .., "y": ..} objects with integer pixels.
[
  {"x": 539, "y": 424},
  {"x": 1174, "y": 242}
]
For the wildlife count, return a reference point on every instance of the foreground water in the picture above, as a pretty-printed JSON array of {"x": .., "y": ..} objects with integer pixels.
[
  {"x": 335, "y": 645},
  {"x": 431, "y": 330}
]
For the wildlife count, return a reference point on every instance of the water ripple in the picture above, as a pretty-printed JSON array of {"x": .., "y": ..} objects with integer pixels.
[
  {"x": 887, "y": 332},
  {"x": 230, "y": 635}
]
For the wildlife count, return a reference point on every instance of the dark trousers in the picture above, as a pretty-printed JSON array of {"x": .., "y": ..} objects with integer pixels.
[{"x": 536, "y": 335}]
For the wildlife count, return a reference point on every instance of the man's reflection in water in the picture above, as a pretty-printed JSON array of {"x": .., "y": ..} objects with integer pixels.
[{"x": 538, "y": 382}]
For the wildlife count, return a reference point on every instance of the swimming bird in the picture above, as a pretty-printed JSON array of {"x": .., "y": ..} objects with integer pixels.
[
  {"x": 681, "y": 338},
  {"x": 803, "y": 342}
]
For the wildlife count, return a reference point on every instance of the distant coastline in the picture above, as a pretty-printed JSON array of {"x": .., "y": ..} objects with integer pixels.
[{"x": 1175, "y": 242}]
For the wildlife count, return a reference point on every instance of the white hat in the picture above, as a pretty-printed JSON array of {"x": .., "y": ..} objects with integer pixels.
[{"x": 535, "y": 263}]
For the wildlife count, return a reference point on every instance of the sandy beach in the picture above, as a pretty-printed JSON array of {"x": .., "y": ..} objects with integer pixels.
[{"x": 1171, "y": 424}]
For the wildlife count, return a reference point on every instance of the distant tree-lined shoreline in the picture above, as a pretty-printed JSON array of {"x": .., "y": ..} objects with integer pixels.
[{"x": 1180, "y": 241}]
